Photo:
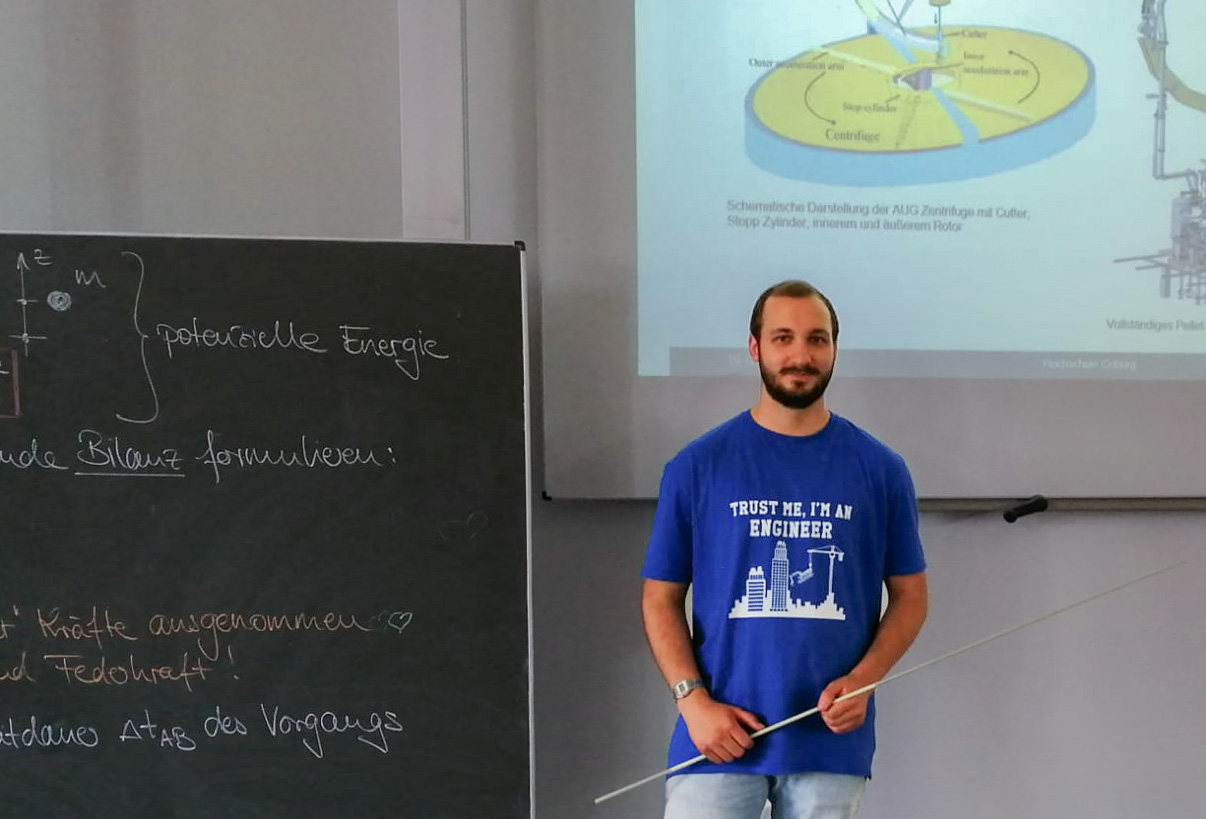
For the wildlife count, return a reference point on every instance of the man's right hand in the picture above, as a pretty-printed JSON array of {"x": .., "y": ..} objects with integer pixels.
[{"x": 718, "y": 730}]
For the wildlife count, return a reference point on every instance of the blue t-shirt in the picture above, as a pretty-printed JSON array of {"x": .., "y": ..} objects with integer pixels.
[{"x": 786, "y": 541}]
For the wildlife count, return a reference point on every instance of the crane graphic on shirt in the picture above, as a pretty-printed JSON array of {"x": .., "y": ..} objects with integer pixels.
[{"x": 775, "y": 599}]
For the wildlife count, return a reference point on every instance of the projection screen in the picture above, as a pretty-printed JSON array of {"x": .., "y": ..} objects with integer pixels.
[{"x": 1004, "y": 202}]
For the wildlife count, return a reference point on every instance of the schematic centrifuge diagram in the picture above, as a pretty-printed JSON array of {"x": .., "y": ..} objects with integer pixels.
[
  {"x": 901, "y": 105},
  {"x": 1184, "y": 263}
]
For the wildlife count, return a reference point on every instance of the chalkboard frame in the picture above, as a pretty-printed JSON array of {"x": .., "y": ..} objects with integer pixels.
[{"x": 520, "y": 286}]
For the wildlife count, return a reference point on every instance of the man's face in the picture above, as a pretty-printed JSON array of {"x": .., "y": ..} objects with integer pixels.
[{"x": 796, "y": 351}]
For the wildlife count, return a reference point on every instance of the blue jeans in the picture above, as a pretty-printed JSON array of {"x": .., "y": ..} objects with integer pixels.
[{"x": 742, "y": 796}]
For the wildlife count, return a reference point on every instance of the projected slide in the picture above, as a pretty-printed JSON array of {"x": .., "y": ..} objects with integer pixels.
[
  {"x": 984, "y": 189},
  {"x": 1010, "y": 97}
]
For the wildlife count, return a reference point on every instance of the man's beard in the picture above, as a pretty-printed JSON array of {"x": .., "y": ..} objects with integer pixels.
[{"x": 798, "y": 399}]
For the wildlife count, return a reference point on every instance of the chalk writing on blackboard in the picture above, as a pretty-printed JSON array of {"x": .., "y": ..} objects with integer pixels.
[
  {"x": 238, "y": 337},
  {"x": 99, "y": 454},
  {"x": 304, "y": 729},
  {"x": 260, "y": 540},
  {"x": 98, "y": 451},
  {"x": 33, "y": 456},
  {"x": 58, "y": 301},
  {"x": 414, "y": 349},
  {"x": 308, "y": 454},
  {"x": 99, "y": 646},
  {"x": 28, "y": 733},
  {"x": 23, "y": 301},
  {"x": 142, "y": 344},
  {"x": 42, "y": 283}
]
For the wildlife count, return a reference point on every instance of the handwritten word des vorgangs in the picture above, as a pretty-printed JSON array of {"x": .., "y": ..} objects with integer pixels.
[{"x": 369, "y": 729}]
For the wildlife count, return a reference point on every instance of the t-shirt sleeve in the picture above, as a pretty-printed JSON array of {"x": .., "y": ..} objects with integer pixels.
[
  {"x": 668, "y": 556},
  {"x": 904, "y": 553}
]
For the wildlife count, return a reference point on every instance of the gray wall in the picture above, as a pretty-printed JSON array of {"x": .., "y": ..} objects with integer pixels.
[
  {"x": 413, "y": 119},
  {"x": 1093, "y": 713}
]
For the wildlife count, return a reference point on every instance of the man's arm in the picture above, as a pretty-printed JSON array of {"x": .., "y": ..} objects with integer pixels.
[
  {"x": 908, "y": 601},
  {"x": 718, "y": 730}
]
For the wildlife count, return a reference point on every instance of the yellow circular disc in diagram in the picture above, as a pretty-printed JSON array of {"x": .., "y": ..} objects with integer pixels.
[{"x": 867, "y": 111}]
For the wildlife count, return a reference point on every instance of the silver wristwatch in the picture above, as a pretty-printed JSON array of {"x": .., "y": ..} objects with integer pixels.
[{"x": 684, "y": 687}]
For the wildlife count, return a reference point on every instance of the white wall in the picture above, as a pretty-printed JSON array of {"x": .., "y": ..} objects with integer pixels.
[
  {"x": 1094, "y": 712},
  {"x": 224, "y": 117},
  {"x": 175, "y": 117},
  {"x": 1090, "y": 714}
]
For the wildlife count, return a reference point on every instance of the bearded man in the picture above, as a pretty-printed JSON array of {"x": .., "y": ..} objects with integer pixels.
[{"x": 786, "y": 523}]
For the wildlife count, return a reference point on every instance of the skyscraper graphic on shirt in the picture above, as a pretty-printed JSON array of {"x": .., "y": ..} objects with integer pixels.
[{"x": 776, "y": 600}]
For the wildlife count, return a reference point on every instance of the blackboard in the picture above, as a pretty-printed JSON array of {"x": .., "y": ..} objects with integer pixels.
[{"x": 265, "y": 542}]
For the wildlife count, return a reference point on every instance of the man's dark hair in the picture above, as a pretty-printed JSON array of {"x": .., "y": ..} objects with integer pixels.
[{"x": 793, "y": 288}]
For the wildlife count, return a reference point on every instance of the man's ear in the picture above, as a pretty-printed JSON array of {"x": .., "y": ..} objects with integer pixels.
[{"x": 754, "y": 352}]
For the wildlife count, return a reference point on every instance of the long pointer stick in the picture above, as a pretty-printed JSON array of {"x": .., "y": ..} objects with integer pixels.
[{"x": 762, "y": 732}]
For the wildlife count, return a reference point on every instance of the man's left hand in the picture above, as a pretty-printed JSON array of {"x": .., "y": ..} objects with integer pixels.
[{"x": 843, "y": 717}]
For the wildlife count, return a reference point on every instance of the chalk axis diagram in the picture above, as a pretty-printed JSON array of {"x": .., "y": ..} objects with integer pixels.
[{"x": 903, "y": 106}]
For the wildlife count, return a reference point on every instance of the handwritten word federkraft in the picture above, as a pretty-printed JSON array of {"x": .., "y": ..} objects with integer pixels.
[{"x": 76, "y": 668}]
